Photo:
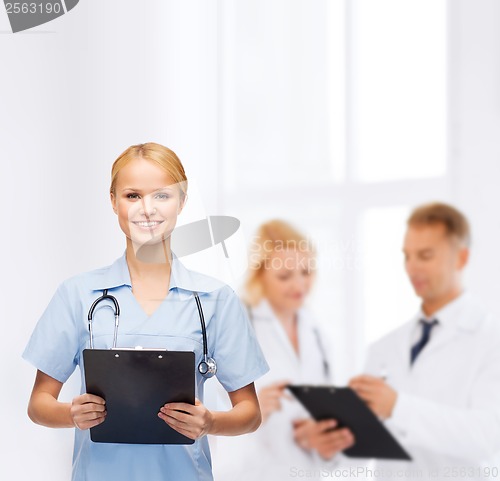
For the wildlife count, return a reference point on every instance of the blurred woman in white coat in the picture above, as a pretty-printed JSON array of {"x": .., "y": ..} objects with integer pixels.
[{"x": 288, "y": 444}]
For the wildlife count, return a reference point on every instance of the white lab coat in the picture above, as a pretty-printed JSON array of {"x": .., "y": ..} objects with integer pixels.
[
  {"x": 270, "y": 453},
  {"x": 447, "y": 413}
]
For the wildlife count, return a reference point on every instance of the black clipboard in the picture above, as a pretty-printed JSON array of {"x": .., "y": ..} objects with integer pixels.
[
  {"x": 373, "y": 440},
  {"x": 136, "y": 383}
]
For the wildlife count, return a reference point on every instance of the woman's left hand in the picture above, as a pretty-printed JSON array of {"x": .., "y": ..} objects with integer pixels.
[
  {"x": 191, "y": 421},
  {"x": 322, "y": 436}
]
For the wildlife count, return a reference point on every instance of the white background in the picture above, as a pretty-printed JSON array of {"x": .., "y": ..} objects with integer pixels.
[{"x": 337, "y": 117}]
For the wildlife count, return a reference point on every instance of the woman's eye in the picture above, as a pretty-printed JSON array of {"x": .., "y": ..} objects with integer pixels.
[
  {"x": 284, "y": 277},
  {"x": 132, "y": 196},
  {"x": 162, "y": 196}
]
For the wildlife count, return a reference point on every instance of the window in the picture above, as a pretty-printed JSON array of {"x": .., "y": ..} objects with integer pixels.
[
  {"x": 333, "y": 117},
  {"x": 398, "y": 65}
]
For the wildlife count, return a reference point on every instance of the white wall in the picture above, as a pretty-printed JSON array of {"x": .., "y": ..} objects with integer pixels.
[
  {"x": 77, "y": 91},
  {"x": 74, "y": 94},
  {"x": 475, "y": 135}
]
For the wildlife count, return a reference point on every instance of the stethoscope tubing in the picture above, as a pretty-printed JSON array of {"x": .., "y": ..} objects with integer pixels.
[
  {"x": 207, "y": 367},
  {"x": 104, "y": 296}
]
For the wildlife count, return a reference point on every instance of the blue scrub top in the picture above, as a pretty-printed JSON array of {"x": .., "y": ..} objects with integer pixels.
[{"x": 61, "y": 335}]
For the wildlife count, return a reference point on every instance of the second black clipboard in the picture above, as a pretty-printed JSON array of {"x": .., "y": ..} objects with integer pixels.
[
  {"x": 372, "y": 439},
  {"x": 136, "y": 383}
]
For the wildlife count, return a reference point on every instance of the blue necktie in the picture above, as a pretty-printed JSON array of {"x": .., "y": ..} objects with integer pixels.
[{"x": 426, "y": 334}]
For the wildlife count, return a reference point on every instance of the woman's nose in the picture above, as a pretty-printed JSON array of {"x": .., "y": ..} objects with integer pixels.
[
  {"x": 147, "y": 207},
  {"x": 299, "y": 282}
]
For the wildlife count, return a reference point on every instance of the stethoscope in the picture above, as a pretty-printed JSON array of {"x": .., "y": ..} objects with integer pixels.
[{"x": 207, "y": 367}]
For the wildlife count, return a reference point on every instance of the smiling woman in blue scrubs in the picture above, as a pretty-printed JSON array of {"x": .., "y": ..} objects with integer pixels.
[{"x": 158, "y": 310}]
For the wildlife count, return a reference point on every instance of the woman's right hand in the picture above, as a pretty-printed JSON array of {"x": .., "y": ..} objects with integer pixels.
[
  {"x": 87, "y": 411},
  {"x": 270, "y": 398}
]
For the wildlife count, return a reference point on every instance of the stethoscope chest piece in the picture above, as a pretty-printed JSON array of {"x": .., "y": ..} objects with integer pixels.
[{"x": 207, "y": 367}]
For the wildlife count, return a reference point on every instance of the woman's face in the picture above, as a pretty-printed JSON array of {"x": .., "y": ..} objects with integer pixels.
[
  {"x": 287, "y": 278},
  {"x": 147, "y": 202}
]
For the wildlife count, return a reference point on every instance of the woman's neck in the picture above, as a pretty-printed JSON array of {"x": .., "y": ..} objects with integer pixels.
[
  {"x": 286, "y": 316},
  {"x": 288, "y": 319},
  {"x": 149, "y": 260}
]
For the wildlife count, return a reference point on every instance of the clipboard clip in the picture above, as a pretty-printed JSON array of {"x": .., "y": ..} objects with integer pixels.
[
  {"x": 306, "y": 389},
  {"x": 138, "y": 348}
]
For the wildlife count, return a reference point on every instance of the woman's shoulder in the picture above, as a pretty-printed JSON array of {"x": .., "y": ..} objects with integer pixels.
[{"x": 106, "y": 277}]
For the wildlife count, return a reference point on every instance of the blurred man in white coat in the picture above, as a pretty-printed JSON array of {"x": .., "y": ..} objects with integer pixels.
[{"x": 436, "y": 379}]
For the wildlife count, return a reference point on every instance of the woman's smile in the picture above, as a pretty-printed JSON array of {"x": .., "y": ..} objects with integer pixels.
[{"x": 148, "y": 224}]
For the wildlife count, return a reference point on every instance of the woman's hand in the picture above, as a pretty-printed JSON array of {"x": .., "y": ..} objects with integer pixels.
[
  {"x": 88, "y": 411},
  {"x": 44, "y": 408},
  {"x": 322, "y": 436},
  {"x": 270, "y": 398},
  {"x": 191, "y": 421},
  {"x": 197, "y": 421}
]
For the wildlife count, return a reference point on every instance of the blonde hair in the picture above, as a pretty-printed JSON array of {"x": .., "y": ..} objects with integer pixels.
[
  {"x": 272, "y": 236},
  {"x": 161, "y": 155},
  {"x": 456, "y": 224}
]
